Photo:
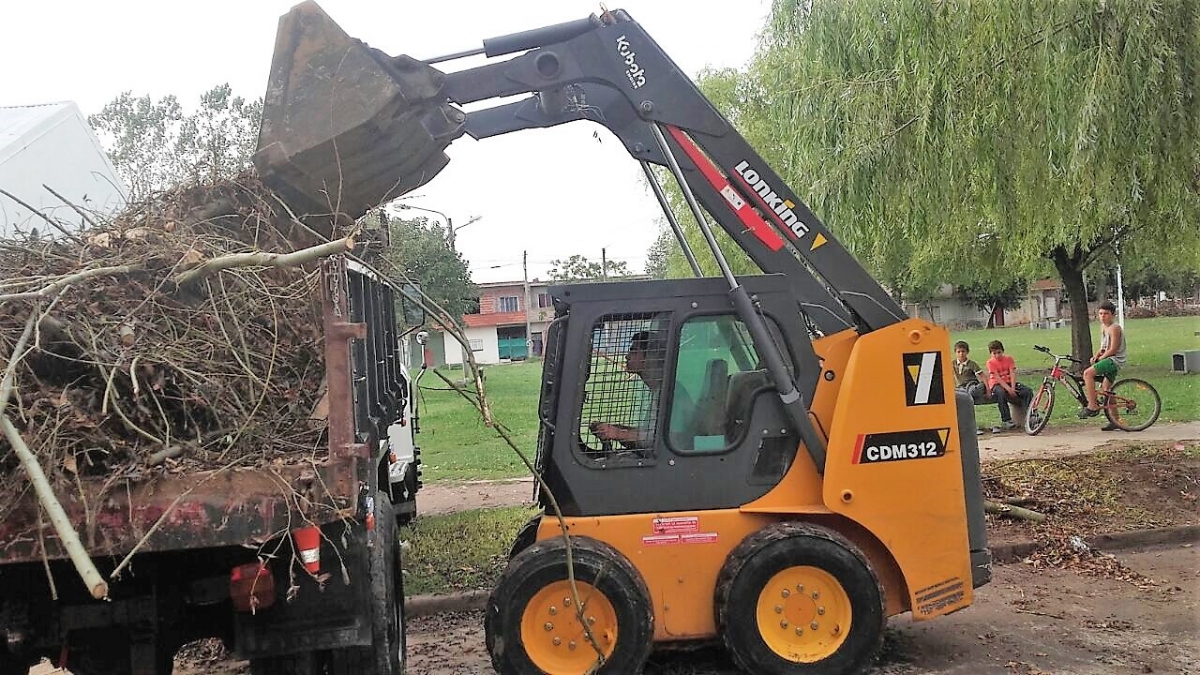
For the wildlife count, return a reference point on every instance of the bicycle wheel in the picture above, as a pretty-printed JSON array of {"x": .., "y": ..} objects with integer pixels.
[
  {"x": 1038, "y": 414},
  {"x": 1132, "y": 404}
]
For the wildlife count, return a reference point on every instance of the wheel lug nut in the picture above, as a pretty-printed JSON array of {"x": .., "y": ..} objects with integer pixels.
[
  {"x": 815, "y": 595},
  {"x": 799, "y": 630},
  {"x": 591, "y": 620},
  {"x": 799, "y": 588},
  {"x": 571, "y": 644},
  {"x": 783, "y": 624},
  {"x": 821, "y": 611},
  {"x": 549, "y": 626},
  {"x": 567, "y": 601},
  {"x": 813, "y": 625},
  {"x": 779, "y": 609},
  {"x": 553, "y": 611},
  {"x": 786, "y": 593},
  {"x": 557, "y": 641}
]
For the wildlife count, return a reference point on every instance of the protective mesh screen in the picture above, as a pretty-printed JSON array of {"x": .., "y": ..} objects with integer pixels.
[{"x": 616, "y": 396}]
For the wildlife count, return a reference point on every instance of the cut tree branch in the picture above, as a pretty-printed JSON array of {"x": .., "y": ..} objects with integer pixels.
[
  {"x": 71, "y": 279},
  {"x": 53, "y": 223},
  {"x": 82, "y": 214},
  {"x": 263, "y": 259},
  {"x": 58, "y": 517}
]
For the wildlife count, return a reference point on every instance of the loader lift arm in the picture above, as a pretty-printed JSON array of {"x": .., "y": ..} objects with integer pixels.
[
  {"x": 393, "y": 117},
  {"x": 613, "y": 73}
]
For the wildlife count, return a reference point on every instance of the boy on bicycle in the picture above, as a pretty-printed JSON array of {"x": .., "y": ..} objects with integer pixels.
[{"x": 1106, "y": 362}]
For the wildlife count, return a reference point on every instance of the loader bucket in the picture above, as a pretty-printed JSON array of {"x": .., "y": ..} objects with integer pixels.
[{"x": 346, "y": 127}]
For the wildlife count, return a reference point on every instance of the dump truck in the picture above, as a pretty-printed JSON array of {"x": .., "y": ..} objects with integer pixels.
[
  {"x": 775, "y": 462},
  {"x": 295, "y": 564}
]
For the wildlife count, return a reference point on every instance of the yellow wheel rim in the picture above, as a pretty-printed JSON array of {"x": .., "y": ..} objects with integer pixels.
[
  {"x": 554, "y": 638},
  {"x": 804, "y": 614}
]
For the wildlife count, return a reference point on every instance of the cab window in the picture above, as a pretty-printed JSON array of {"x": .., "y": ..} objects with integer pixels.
[{"x": 717, "y": 375}]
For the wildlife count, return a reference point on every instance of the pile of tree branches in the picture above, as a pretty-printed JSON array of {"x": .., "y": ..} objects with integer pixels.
[{"x": 185, "y": 332}]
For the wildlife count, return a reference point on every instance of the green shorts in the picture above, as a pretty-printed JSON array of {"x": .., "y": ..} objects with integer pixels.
[{"x": 1107, "y": 368}]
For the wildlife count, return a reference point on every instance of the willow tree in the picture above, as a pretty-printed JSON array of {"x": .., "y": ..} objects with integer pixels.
[{"x": 978, "y": 141}]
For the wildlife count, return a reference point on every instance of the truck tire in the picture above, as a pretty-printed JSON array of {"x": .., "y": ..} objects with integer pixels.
[
  {"x": 105, "y": 653},
  {"x": 386, "y": 656},
  {"x": 12, "y": 665},
  {"x": 305, "y": 663}
]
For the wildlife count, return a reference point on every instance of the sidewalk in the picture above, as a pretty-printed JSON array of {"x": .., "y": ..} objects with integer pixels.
[{"x": 1075, "y": 440}]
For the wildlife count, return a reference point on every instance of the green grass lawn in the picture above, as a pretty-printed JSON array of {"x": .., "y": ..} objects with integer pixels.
[
  {"x": 1151, "y": 343},
  {"x": 460, "y": 551},
  {"x": 457, "y": 445}
]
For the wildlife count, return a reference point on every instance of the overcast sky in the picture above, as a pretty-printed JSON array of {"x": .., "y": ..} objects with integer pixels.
[{"x": 554, "y": 192}]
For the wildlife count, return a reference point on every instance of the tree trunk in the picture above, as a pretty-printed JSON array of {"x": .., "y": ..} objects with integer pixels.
[{"x": 1071, "y": 273}]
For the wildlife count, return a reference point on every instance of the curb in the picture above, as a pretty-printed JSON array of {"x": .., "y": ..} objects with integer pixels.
[
  {"x": 1116, "y": 541},
  {"x": 472, "y": 601},
  {"x": 465, "y": 601}
]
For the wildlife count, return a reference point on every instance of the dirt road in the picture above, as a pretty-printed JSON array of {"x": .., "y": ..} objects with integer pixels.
[
  {"x": 449, "y": 497},
  {"x": 1026, "y": 622}
]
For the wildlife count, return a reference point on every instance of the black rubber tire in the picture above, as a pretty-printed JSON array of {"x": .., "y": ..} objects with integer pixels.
[
  {"x": 106, "y": 653},
  {"x": 1037, "y": 415},
  {"x": 1148, "y": 393},
  {"x": 111, "y": 655},
  {"x": 775, "y": 548},
  {"x": 306, "y": 663},
  {"x": 12, "y": 665},
  {"x": 526, "y": 536},
  {"x": 386, "y": 655},
  {"x": 545, "y": 563}
]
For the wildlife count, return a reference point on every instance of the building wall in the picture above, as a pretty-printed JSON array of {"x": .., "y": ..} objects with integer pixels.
[
  {"x": 484, "y": 345},
  {"x": 947, "y": 311},
  {"x": 489, "y": 299},
  {"x": 63, "y": 153}
]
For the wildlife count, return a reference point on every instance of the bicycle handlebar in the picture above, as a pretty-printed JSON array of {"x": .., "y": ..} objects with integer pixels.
[{"x": 1065, "y": 357}]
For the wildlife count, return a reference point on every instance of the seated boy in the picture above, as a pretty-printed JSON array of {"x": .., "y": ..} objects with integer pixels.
[
  {"x": 967, "y": 372},
  {"x": 966, "y": 376},
  {"x": 1002, "y": 382}
]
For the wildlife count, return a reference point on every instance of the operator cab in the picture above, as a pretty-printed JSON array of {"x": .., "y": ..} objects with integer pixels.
[{"x": 672, "y": 368}]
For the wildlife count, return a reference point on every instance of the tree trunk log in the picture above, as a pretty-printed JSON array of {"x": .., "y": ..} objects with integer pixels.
[
  {"x": 1013, "y": 512},
  {"x": 1069, "y": 270}
]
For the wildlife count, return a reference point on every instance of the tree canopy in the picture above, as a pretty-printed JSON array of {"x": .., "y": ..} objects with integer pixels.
[
  {"x": 579, "y": 268},
  {"x": 155, "y": 144},
  {"x": 979, "y": 143},
  {"x": 418, "y": 247}
]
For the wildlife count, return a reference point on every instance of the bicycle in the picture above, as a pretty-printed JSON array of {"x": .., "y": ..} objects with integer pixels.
[{"x": 1129, "y": 404}]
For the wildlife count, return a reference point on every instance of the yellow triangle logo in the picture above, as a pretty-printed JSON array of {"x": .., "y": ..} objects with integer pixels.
[
  {"x": 818, "y": 242},
  {"x": 945, "y": 434},
  {"x": 913, "y": 371}
]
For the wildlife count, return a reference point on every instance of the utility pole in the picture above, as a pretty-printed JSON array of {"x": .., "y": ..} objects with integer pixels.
[
  {"x": 528, "y": 327},
  {"x": 604, "y": 264}
]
